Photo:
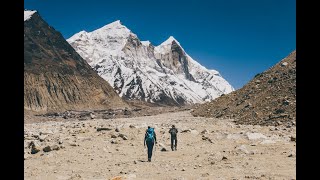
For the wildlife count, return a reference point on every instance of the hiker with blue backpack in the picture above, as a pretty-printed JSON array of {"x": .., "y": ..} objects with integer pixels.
[{"x": 150, "y": 138}]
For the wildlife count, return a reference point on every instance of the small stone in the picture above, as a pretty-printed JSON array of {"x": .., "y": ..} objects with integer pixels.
[
  {"x": 55, "y": 147},
  {"x": 47, "y": 149},
  {"x": 284, "y": 64},
  {"x": 224, "y": 158},
  {"x": 183, "y": 169},
  {"x": 163, "y": 149},
  {"x": 117, "y": 129},
  {"x": 92, "y": 116},
  {"x": 73, "y": 144},
  {"x": 113, "y": 136},
  {"x": 104, "y": 129},
  {"x": 132, "y": 126},
  {"x": 35, "y": 148},
  {"x": 204, "y": 132}
]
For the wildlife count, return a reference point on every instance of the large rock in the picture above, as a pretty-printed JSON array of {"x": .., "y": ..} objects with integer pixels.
[
  {"x": 35, "y": 147},
  {"x": 255, "y": 136}
]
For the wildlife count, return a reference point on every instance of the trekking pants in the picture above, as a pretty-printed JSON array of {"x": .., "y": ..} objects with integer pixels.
[
  {"x": 174, "y": 142},
  {"x": 150, "y": 147}
]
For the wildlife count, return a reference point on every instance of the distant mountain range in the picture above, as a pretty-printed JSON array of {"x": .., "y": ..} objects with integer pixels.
[
  {"x": 163, "y": 74},
  {"x": 56, "y": 78}
]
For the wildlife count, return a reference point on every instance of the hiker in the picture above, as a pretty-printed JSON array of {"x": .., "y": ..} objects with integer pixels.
[
  {"x": 173, "y": 132},
  {"x": 151, "y": 139}
]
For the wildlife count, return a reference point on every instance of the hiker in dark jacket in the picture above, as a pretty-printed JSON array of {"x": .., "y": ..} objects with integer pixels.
[
  {"x": 150, "y": 138},
  {"x": 173, "y": 132}
]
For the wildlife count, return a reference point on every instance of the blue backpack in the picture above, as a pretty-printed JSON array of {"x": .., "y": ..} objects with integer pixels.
[{"x": 150, "y": 135}]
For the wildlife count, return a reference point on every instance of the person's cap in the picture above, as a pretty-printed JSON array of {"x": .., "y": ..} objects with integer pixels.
[
  {"x": 149, "y": 127},
  {"x": 172, "y": 125}
]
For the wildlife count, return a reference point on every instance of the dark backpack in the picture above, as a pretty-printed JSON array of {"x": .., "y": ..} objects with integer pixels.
[
  {"x": 150, "y": 135},
  {"x": 173, "y": 132}
]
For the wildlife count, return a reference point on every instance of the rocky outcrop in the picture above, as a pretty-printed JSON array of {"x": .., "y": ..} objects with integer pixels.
[
  {"x": 56, "y": 78},
  {"x": 268, "y": 99}
]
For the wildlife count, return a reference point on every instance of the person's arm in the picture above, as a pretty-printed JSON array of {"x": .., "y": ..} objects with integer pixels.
[{"x": 155, "y": 137}]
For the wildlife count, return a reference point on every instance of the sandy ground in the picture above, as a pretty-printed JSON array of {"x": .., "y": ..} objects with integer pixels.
[{"x": 208, "y": 149}]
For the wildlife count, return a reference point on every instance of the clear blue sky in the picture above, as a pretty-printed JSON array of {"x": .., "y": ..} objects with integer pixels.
[{"x": 239, "y": 38}]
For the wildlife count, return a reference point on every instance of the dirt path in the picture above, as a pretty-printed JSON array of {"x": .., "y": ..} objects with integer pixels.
[{"x": 223, "y": 151}]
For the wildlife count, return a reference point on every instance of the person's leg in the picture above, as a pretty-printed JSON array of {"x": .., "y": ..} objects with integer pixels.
[
  {"x": 175, "y": 142},
  {"x": 172, "y": 139},
  {"x": 150, "y": 147}
]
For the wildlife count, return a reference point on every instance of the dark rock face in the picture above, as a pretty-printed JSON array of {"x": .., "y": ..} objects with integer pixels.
[
  {"x": 179, "y": 56},
  {"x": 268, "y": 99},
  {"x": 56, "y": 78}
]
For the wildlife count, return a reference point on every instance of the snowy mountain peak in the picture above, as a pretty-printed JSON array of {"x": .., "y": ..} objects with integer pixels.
[
  {"x": 115, "y": 29},
  {"x": 138, "y": 70},
  {"x": 170, "y": 41},
  {"x": 146, "y": 43},
  {"x": 166, "y": 45},
  {"x": 115, "y": 24},
  {"x": 28, "y": 14}
]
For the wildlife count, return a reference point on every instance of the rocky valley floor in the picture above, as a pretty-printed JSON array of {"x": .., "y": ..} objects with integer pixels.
[{"x": 208, "y": 148}]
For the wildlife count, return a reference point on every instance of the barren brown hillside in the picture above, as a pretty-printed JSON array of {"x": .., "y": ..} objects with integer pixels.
[
  {"x": 56, "y": 78},
  {"x": 268, "y": 99}
]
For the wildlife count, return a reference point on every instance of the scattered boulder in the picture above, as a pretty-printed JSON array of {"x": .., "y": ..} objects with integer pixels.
[
  {"x": 132, "y": 126},
  {"x": 124, "y": 137},
  {"x": 117, "y": 129},
  {"x": 42, "y": 138},
  {"x": 204, "y": 132},
  {"x": 267, "y": 141},
  {"x": 255, "y": 136},
  {"x": 73, "y": 144},
  {"x": 55, "y": 147},
  {"x": 284, "y": 64},
  {"x": 243, "y": 149},
  {"x": 47, "y": 149},
  {"x": 113, "y": 136},
  {"x": 233, "y": 136},
  {"x": 292, "y": 138},
  {"x": 185, "y": 131},
  {"x": 292, "y": 154},
  {"x": 35, "y": 147},
  {"x": 104, "y": 129},
  {"x": 195, "y": 132},
  {"x": 92, "y": 116},
  {"x": 162, "y": 147}
]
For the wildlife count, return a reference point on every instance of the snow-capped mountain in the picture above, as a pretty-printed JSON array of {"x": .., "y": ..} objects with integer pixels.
[{"x": 138, "y": 70}]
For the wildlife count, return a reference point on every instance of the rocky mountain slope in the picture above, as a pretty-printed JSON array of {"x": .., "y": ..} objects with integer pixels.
[
  {"x": 268, "y": 99},
  {"x": 56, "y": 78},
  {"x": 164, "y": 74}
]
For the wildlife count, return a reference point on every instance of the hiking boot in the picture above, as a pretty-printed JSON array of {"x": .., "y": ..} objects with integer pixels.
[{"x": 149, "y": 160}]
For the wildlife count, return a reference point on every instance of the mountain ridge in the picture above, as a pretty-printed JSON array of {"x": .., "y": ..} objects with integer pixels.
[{"x": 137, "y": 69}]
